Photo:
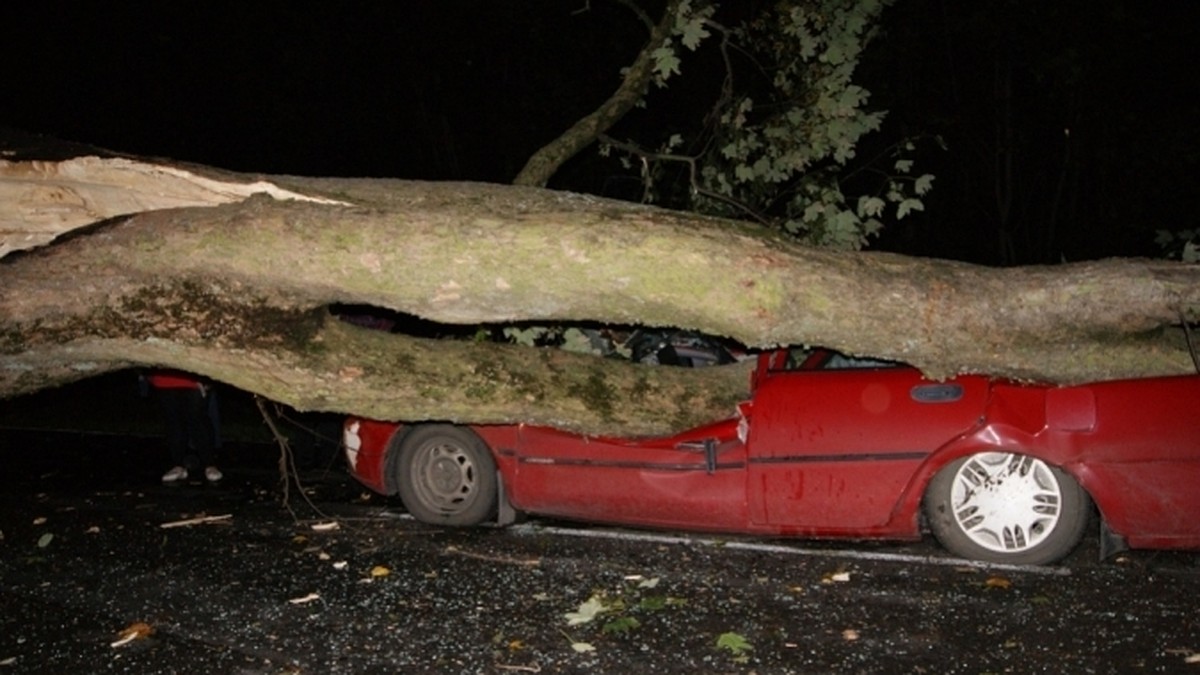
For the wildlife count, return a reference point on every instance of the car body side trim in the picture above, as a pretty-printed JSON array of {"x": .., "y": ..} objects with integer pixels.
[
  {"x": 618, "y": 464},
  {"x": 861, "y": 457}
]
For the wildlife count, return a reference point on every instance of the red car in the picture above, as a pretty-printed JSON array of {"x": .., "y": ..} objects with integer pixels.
[{"x": 830, "y": 446}]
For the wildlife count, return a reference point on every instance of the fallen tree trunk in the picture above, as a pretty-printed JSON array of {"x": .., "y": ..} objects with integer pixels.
[{"x": 238, "y": 292}]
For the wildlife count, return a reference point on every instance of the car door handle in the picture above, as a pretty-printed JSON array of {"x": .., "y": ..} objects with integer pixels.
[{"x": 944, "y": 392}]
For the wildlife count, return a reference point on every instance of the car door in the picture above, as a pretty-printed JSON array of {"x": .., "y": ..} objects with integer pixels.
[{"x": 831, "y": 449}]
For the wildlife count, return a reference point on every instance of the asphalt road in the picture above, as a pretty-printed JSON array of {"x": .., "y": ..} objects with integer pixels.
[{"x": 100, "y": 572}]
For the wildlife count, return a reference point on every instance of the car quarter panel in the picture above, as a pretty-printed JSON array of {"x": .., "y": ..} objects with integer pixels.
[
  {"x": 1141, "y": 461},
  {"x": 1133, "y": 445}
]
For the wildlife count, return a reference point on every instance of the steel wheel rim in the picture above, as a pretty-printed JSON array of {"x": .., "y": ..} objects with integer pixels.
[
  {"x": 444, "y": 477},
  {"x": 1006, "y": 502}
]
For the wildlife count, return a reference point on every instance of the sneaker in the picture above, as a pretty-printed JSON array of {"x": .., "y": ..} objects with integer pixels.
[
  {"x": 176, "y": 474},
  {"x": 213, "y": 474}
]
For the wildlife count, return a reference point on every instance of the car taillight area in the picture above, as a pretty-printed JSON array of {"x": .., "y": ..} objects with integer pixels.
[
  {"x": 365, "y": 444},
  {"x": 351, "y": 442}
]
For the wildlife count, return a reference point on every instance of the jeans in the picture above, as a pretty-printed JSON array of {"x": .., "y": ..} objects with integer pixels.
[{"x": 189, "y": 425}]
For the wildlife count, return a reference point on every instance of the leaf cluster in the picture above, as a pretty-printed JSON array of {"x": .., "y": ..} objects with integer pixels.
[{"x": 782, "y": 140}]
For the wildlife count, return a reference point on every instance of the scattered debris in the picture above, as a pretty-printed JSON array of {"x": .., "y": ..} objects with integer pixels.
[
  {"x": 535, "y": 668},
  {"x": 134, "y": 631},
  {"x": 576, "y": 645},
  {"x": 507, "y": 560},
  {"x": 200, "y": 520},
  {"x": 305, "y": 600},
  {"x": 588, "y": 610},
  {"x": 325, "y": 527}
]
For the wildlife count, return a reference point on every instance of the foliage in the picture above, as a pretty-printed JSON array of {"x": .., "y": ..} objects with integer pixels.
[
  {"x": 736, "y": 645},
  {"x": 1182, "y": 245},
  {"x": 782, "y": 144},
  {"x": 620, "y": 606}
]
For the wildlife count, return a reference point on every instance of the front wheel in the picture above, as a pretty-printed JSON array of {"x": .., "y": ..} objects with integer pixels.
[
  {"x": 446, "y": 476},
  {"x": 1006, "y": 508}
]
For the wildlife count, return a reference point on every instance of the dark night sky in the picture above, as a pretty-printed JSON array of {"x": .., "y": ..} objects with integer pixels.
[{"x": 451, "y": 89}]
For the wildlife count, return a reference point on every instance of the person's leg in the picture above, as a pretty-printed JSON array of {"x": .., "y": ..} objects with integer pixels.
[
  {"x": 174, "y": 407},
  {"x": 199, "y": 427},
  {"x": 174, "y": 404}
]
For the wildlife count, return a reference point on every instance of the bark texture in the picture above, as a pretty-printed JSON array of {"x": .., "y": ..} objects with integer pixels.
[{"x": 238, "y": 292}]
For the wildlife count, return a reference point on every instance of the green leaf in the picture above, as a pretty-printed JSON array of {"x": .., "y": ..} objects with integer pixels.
[
  {"x": 587, "y": 611},
  {"x": 1190, "y": 253},
  {"x": 735, "y": 644},
  {"x": 694, "y": 32},
  {"x": 870, "y": 207},
  {"x": 652, "y": 603},
  {"x": 904, "y": 165},
  {"x": 620, "y": 625},
  {"x": 910, "y": 204},
  {"x": 666, "y": 62},
  {"x": 923, "y": 184},
  {"x": 44, "y": 540}
]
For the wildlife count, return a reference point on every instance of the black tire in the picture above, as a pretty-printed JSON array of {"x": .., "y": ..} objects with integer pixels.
[
  {"x": 446, "y": 476},
  {"x": 1006, "y": 508}
]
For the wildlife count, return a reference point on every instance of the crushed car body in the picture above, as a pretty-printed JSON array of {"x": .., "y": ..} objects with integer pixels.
[{"x": 830, "y": 446}]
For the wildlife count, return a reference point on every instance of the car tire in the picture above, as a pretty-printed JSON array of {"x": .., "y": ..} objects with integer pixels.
[
  {"x": 1006, "y": 508},
  {"x": 446, "y": 476}
]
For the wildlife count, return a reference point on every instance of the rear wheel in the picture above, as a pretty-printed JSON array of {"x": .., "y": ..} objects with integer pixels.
[
  {"x": 1007, "y": 508},
  {"x": 446, "y": 476}
]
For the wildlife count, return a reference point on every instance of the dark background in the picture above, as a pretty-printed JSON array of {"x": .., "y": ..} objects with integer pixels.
[{"x": 1069, "y": 127}]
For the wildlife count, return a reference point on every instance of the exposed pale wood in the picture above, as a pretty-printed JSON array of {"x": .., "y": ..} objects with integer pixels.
[{"x": 41, "y": 200}]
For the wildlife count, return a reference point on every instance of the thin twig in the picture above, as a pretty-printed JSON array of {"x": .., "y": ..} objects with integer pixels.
[
  {"x": 646, "y": 155},
  {"x": 1187, "y": 335},
  {"x": 196, "y": 521},
  {"x": 287, "y": 464}
]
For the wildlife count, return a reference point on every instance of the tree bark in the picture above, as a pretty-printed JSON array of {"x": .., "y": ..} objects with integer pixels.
[{"x": 238, "y": 292}]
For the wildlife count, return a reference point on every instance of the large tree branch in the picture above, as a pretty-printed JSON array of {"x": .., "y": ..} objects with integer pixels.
[{"x": 238, "y": 291}]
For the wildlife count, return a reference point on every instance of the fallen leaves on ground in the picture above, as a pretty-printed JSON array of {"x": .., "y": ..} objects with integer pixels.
[
  {"x": 735, "y": 644},
  {"x": 305, "y": 599},
  {"x": 134, "y": 631},
  {"x": 588, "y": 610}
]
